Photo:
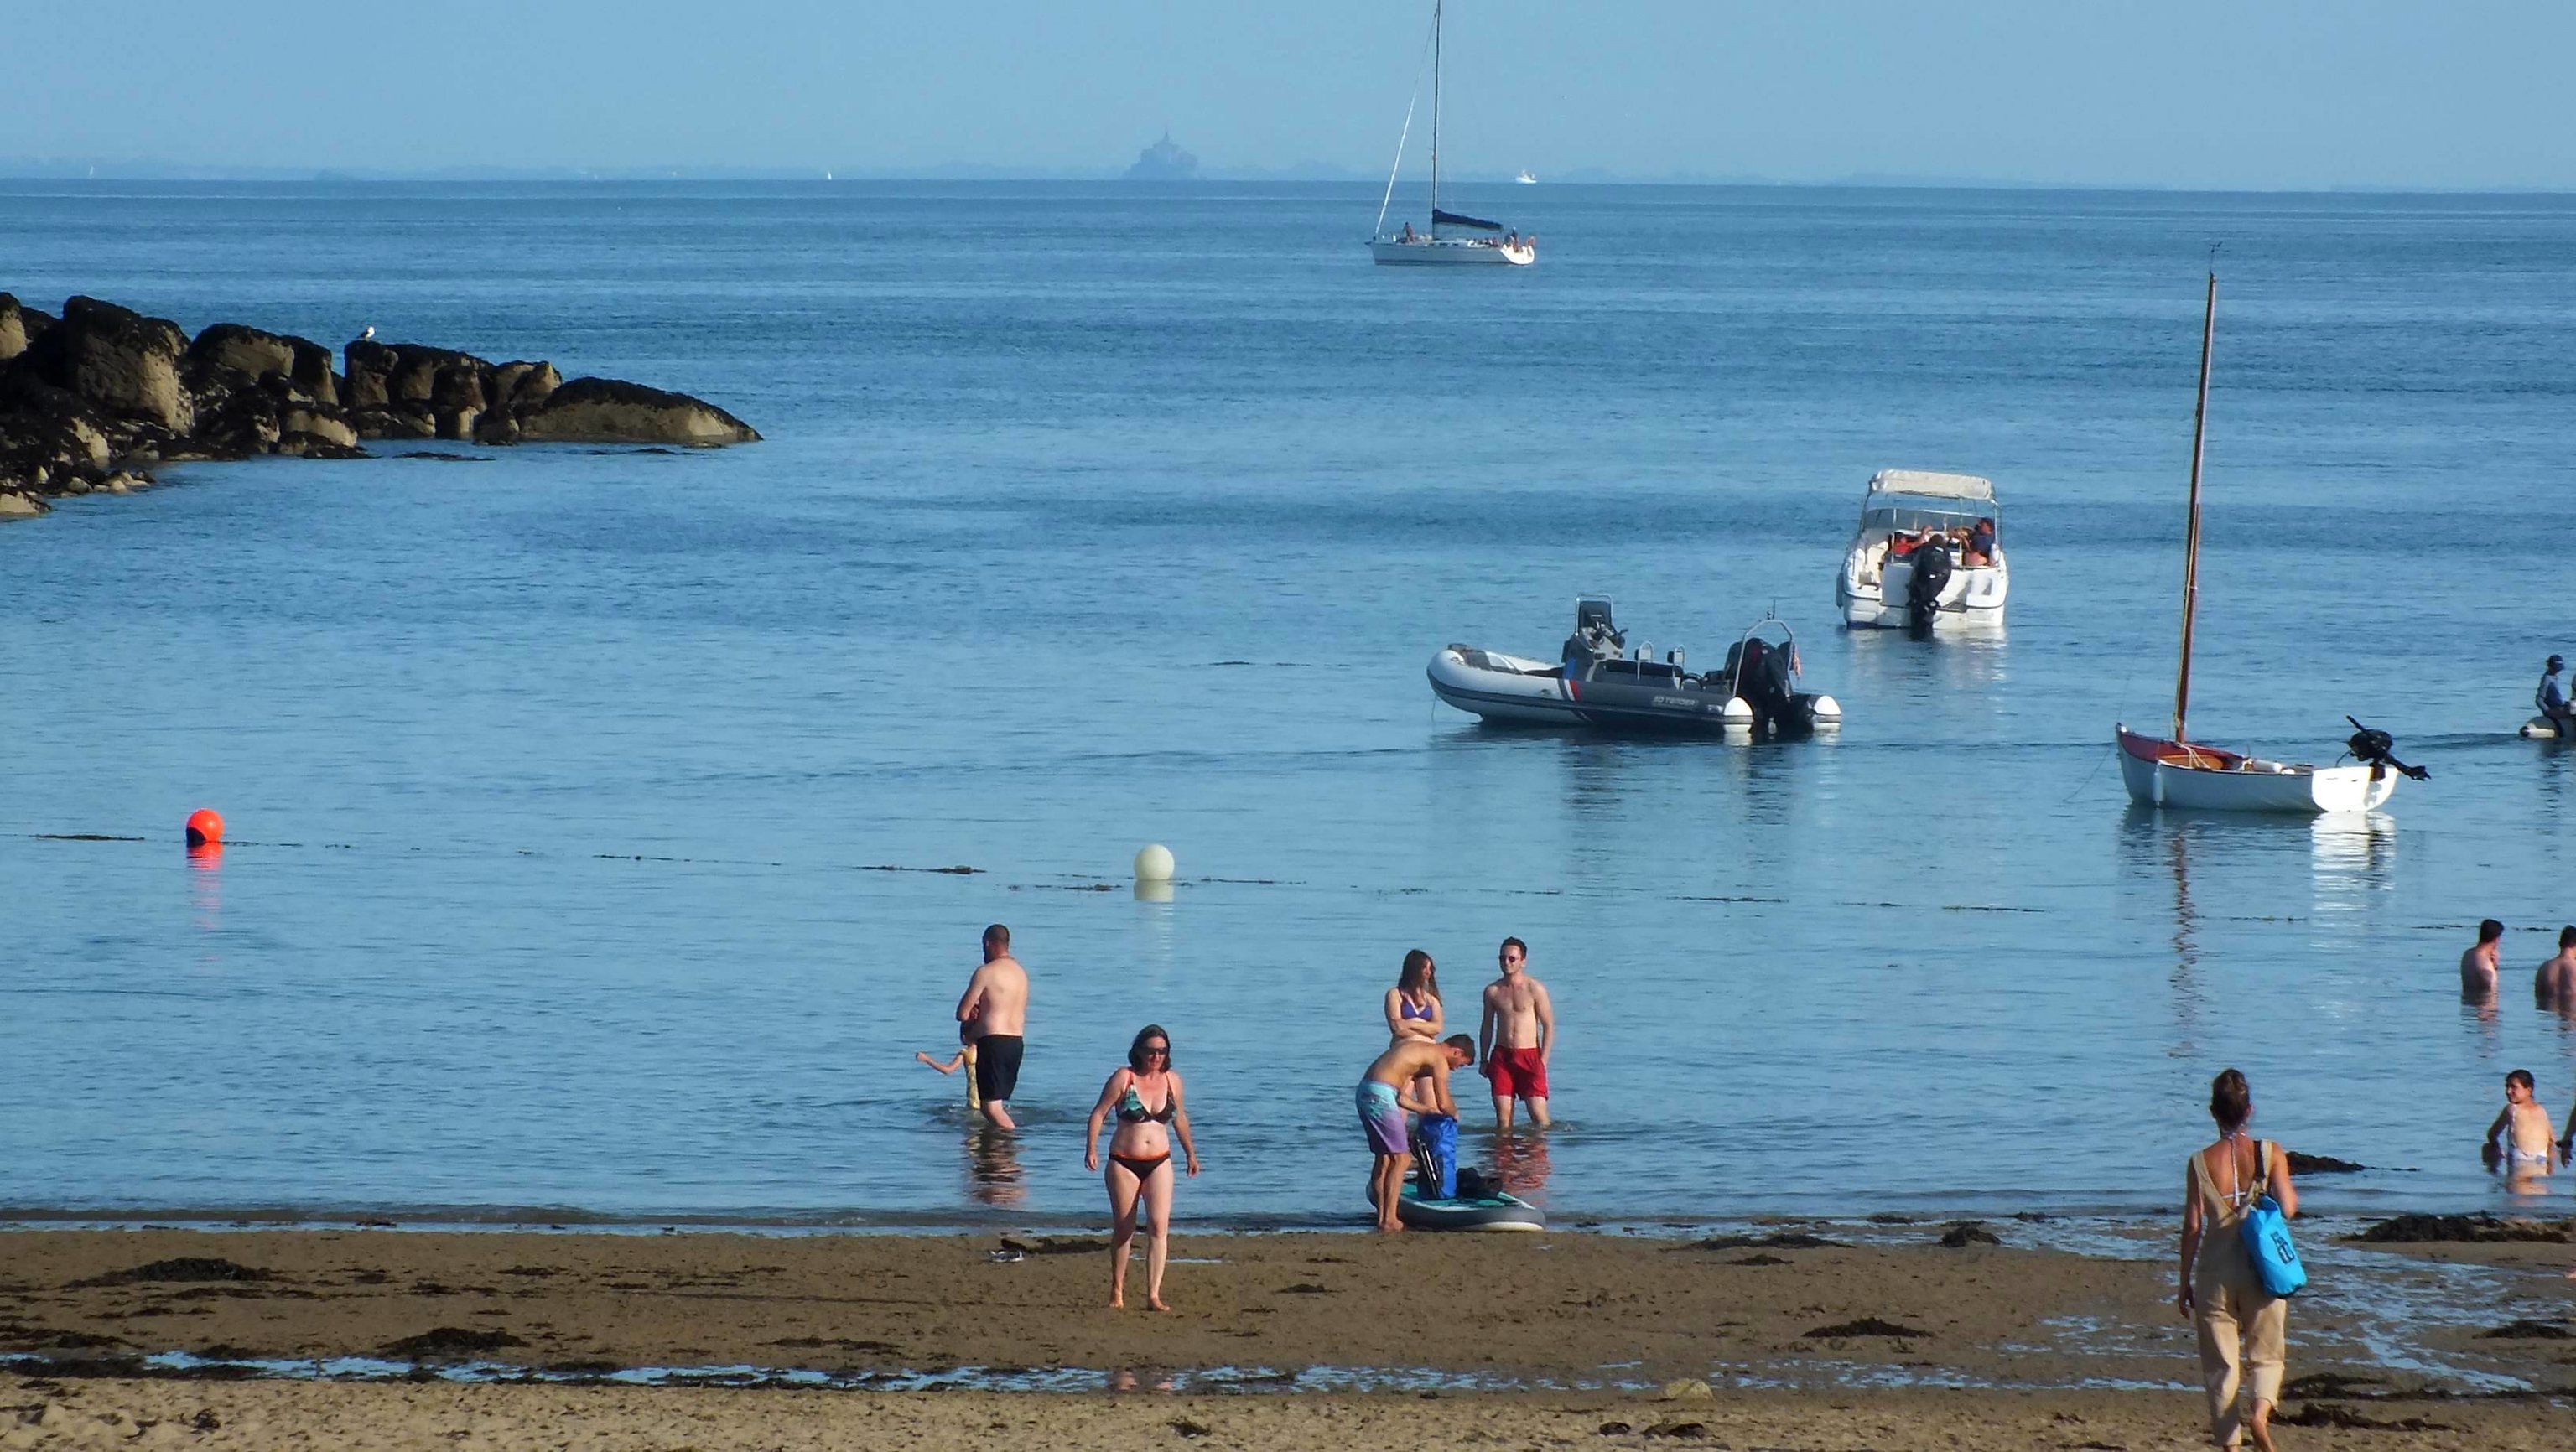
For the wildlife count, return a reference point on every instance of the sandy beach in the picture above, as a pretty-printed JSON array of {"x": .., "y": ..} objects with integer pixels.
[{"x": 1530, "y": 1340}]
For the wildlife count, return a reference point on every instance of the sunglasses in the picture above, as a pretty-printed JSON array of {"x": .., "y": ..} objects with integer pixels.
[{"x": 1163, "y": 1049}]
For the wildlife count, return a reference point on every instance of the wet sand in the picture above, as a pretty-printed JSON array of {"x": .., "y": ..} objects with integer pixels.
[{"x": 1536, "y": 1339}]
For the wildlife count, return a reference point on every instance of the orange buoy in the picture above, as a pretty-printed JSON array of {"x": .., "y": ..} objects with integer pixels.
[{"x": 205, "y": 828}]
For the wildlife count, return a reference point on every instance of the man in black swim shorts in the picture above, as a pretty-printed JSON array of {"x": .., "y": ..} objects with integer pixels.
[{"x": 995, "y": 1010}]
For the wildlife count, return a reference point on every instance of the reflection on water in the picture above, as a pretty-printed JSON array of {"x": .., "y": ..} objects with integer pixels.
[
  {"x": 1520, "y": 1163},
  {"x": 2351, "y": 854},
  {"x": 993, "y": 1174}
]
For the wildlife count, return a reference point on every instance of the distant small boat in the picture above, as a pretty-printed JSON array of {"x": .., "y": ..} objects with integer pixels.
[
  {"x": 1454, "y": 238},
  {"x": 1525, "y": 179},
  {"x": 2182, "y": 773}
]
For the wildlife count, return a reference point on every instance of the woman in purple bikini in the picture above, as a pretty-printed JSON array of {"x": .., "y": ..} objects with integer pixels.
[
  {"x": 1146, "y": 1096},
  {"x": 1413, "y": 1004}
]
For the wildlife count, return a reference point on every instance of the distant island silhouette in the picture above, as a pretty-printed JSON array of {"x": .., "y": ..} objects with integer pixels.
[{"x": 1164, "y": 161}]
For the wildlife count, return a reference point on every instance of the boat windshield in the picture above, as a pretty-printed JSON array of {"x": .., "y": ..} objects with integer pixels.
[{"x": 1888, "y": 513}]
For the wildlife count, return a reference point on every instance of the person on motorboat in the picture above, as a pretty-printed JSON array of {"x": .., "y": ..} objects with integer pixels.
[
  {"x": 2552, "y": 700},
  {"x": 1981, "y": 544}
]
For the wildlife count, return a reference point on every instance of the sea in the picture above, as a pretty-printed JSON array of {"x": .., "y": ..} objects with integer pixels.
[{"x": 598, "y": 817}]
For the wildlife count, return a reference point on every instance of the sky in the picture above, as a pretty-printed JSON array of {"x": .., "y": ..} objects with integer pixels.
[{"x": 2262, "y": 94}]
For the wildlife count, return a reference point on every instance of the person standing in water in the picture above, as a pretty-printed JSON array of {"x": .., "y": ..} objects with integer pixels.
[
  {"x": 1147, "y": 1096},
  {"x": 2554, "y": 986},
  {"x": 2478, "y": 964},
  {"x": 2550, "y": 700},
  {"x": 2221, "y": 1292},
  {"x": 2518, "y": 1141},
  {"x": 1517, "y": 1037},
  {"x": 995, "y": 1011}
]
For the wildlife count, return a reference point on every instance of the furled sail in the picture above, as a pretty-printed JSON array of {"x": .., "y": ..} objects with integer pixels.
[{"x": 1440, "y": 218}]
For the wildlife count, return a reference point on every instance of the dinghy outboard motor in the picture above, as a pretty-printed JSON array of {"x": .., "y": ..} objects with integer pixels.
[
  {"x": 1923, "y": 588},
  {"x": 2376, "y": 749},
  {"x": 1767, "y": 680}
]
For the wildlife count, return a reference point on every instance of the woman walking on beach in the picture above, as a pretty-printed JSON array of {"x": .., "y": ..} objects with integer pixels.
[
  {"x": 1146, "y": 1096},
  {"x": 2221, "y": 1290}
]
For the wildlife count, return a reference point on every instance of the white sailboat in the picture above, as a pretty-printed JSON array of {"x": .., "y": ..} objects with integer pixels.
[
  {"x": 1453, "y": 238},
  {"x": 2180, "y": 772}
]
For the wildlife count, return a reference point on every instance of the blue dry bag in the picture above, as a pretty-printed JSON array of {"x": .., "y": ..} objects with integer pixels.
[
  {"x": 2267, "y": 1241},
  {"x": 1435, "y": 1157}
]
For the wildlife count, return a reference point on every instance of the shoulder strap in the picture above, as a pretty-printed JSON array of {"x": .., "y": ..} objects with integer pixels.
[{"x": 2264, "y": 1149}]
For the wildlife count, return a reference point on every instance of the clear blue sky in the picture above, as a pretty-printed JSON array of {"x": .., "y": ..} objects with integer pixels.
[{"x": 2250, "y": 93}]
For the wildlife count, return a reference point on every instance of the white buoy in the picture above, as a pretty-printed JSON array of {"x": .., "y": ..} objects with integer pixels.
[
  {"x": 1154, "y": 863},
  {"x": 1829, "y": 712},
  {"x": 2539, "y": 728},
  {"x": 1737, "y": 712}
]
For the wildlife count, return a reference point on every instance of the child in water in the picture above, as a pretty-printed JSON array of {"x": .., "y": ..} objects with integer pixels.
[
  {"x": 2518, "y": 1140},
  {"x": 965, "y": 1059}
]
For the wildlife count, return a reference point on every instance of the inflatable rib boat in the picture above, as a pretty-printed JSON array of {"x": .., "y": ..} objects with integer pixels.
[{"x": 1598, "y": 684}]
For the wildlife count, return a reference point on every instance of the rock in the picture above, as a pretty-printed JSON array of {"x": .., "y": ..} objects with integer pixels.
[
  {"x": 125, "y": 481},
  {"x": 21, "y": 506},
  {"x": 2480, "y": 1228},
  {"x": 13, "y": 328},
  {"x": 420, "y": 374},
  {"x": 497, "y": 427},
  {"x": 1965, "y": 1233},
  {"x": 387, "y": 422},
  {"x": 607, "y": 411},
  {"x": 2322, "y": 1165},
  {"x": 312, "y": 373},
  {"x": 524, "y": 385},
  {"x": 244, "y": 350},
  {"x": 1691, "y": 1389},
  {"x": 369, "y": 366},
  {"x": 319, "y": 422},
  {"x": 118, "y": 359}
]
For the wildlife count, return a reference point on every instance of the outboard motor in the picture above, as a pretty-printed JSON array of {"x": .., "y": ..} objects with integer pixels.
[
  {"x": 1767, "y": 680},
  {"x": 1923, "y": 588},
  {"x": 2377, "y": 749}
]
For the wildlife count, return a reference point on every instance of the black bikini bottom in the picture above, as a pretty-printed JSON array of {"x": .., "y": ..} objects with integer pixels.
[{"x": 1141, "y": 1169}]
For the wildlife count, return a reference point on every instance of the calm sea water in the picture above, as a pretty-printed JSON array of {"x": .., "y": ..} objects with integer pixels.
[{"x": 1093, "y": 516}]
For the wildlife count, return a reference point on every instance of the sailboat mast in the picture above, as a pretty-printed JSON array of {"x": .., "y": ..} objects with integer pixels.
[
  {"x": 2191, "y": 533},
  {"x": 1435, "y": 111}
]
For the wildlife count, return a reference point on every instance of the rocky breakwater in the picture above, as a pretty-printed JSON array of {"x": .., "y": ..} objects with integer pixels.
[{"x": 98, "y": 396}]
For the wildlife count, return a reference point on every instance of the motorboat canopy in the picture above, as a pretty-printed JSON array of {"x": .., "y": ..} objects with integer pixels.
[{"x": 1914, "y": 499}]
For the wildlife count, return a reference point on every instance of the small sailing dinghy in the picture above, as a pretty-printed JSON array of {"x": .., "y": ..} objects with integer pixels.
[
  {"x": 2182, "y": 773},
  {"x": 1454, "y": 238}
]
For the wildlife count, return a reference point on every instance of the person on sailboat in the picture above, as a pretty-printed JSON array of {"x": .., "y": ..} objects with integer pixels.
[
  {"x": 1407, "y": 234},
  {"x": 2552, "y": 701}
]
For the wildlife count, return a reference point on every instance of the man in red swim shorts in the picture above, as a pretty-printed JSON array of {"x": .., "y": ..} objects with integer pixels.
[{"x": 1517, "y": 1037}]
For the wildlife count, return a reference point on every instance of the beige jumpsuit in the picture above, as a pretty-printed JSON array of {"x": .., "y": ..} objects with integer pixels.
[{"x": 2228, "y": 1300}]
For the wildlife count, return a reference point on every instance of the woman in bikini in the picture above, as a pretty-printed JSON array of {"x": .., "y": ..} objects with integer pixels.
[
  {"x": 1146, "y": 1096},
  {"x": 2221, "y": 1292},
  {"x": 1413, "y": 1004}
]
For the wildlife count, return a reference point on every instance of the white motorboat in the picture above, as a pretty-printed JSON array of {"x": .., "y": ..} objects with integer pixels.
[
  {"x": 1525, "y": 179},
  {"x": 1915, "y": 561},
  {"x": 2177, "y": 772},
  {"x": 1454, "y": 239},
  {"x": 1598, "y": 683}
]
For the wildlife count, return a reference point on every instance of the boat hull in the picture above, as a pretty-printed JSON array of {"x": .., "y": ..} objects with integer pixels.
[
  {"x": 1974, "y": 594},
  {"x": 2197, "y": 778},
  {"x": 1519, "y": 691},
  {"x": 1449, "y": 252}
]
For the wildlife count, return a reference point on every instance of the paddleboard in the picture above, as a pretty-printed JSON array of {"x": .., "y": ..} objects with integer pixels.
[{"x": 1491, "y": 1212}]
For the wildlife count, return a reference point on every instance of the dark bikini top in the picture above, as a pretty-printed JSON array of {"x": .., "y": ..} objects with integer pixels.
[{"x": 1132, "y": 1110}]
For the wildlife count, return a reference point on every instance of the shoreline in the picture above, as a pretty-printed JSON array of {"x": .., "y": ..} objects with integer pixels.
[
  {"x": 1764, "y": 1306},
  {"x": 1772, "y": 1337}
]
